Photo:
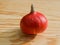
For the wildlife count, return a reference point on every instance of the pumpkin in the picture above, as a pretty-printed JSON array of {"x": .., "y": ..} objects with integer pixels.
[{"x": 33, "y": 22}]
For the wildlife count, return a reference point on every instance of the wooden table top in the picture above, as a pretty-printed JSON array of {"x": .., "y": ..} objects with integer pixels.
[{"x": 11, "y": 11}]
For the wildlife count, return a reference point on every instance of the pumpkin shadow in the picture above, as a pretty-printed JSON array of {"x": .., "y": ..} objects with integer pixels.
[{"x": 21, "y": 38}]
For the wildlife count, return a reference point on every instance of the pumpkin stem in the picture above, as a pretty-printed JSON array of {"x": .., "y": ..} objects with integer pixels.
[{"x": 32, "y": 8}]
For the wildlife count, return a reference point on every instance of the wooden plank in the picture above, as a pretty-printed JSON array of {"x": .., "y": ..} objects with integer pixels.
[{"x": 11, "y": 12}]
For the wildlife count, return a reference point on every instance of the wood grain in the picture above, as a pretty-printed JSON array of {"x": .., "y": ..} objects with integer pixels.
[{"x": 11, "y": 12}]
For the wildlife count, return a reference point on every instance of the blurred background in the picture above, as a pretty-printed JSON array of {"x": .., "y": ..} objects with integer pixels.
[
  {"x": 50, "y": 8},
  {"x": 11, "y": 11}
]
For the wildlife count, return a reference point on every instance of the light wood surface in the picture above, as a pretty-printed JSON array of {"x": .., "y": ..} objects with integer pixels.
[{"x": 11, "y": 12}]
